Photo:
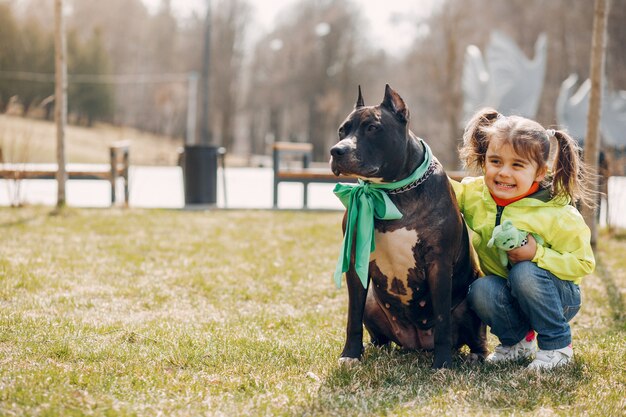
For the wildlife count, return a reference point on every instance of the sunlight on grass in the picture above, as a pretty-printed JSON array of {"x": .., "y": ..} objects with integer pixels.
[{"x": 114, "y": 312}]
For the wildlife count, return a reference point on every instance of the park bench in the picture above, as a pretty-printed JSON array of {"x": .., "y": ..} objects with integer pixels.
[
  {"x": 298, "y": 168},
  {"x": 118, "y": 168},
  {"x": 305, "y": 174}
]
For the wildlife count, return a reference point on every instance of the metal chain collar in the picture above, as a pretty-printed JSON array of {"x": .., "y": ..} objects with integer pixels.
[{"x": 415, "y": 183}]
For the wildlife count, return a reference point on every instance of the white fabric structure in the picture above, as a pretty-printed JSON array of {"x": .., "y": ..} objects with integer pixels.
[
  {"x": 506, "y": 79},
  {"x": 572, "y": 107}
]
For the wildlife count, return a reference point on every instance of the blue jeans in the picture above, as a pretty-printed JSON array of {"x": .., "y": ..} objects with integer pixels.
[{"x": 531, "y": 298}]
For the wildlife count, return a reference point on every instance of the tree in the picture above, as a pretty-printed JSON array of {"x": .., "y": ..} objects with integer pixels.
[
  {"x": 125, "y": 28},
  {"x": 36, "y": 55},
  {"x": 205, "y": 115},
  {"x": 299, "y": 81},
  {"x": 305, "y": 72},
  {"x": 598, "y": 48},
  {"x": 91, "y": 99},
  {"x": 60, "y": 98},
  {"x": 451, "y": 96},
  {"x": 230, "y": 19},
  {"x": 9, "y": 35},
  {"x": 165, "y": 53},
  {"x": 24, "y": 48}
]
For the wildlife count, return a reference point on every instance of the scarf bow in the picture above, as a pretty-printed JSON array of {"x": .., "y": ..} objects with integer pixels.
[{"x": 364, "y": 202}]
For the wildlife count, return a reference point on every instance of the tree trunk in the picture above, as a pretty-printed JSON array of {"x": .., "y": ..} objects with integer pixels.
[
  {"x": 452, "y": 95},
  {"x": 598, "y": 48},
  {"x": 205, "y": 117},
  {"x": 60, "y": 98}
]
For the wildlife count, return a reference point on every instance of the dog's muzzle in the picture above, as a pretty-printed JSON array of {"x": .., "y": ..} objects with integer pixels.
[{"x": 339, "y": 154}]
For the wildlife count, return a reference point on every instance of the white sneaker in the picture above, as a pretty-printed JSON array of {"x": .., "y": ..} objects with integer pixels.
[
  {"x": 548, "y": 359},
  {"x": 525, "y": 348}
]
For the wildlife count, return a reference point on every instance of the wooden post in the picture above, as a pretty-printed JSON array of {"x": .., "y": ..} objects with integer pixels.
[
  {"x": 598, "y": 49},
  {"x": 60, "y": 98},
  {"x": 113, "y": 157},
  {"x": 126, "y": 164}
]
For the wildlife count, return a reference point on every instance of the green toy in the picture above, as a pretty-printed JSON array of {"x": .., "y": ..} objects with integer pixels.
[{"x": 506, "y": 237}]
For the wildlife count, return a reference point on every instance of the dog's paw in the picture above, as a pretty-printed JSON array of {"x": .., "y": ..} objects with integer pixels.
[{"x": 349, "y": 362}]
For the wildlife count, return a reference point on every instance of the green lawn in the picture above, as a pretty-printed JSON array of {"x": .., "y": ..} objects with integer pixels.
[{"x": 133, "y": 312}]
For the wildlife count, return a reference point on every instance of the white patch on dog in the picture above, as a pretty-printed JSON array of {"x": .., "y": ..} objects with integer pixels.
[{"x": 394, "y": 258}]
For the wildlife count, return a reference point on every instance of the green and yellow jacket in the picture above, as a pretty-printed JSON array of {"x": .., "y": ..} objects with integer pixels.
[{"x": 566, "y": 251}]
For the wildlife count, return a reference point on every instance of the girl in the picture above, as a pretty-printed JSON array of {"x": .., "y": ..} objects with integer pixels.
[{"x": 538, "y": 291}]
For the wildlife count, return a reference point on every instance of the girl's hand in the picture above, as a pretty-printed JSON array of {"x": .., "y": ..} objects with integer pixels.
[{"x": 524, "y": 253}]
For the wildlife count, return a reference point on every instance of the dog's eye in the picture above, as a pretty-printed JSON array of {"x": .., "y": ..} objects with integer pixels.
[
  {"x": 341, "y": 131},
  {"x": 372, "y": 128}
]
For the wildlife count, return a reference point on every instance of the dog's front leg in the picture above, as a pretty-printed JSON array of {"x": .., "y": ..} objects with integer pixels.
[
  {"x": 353, "y": 348},
  {"x": 440, "y": 282}
]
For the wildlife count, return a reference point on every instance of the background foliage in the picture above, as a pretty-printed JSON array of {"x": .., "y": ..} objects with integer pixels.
[{"x": 297, "y": 82}]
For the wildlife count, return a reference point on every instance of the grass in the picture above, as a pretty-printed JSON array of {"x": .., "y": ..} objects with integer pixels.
[{"x": 227, "y": 313}]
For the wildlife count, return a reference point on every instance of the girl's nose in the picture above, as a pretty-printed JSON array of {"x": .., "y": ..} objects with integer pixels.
[{"x": 504, "y": 171}]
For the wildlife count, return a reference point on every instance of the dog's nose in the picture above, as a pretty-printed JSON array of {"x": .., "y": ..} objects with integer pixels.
[{"x": 338, "y": 150}]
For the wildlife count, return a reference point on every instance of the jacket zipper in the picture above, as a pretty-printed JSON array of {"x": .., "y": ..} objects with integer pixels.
[{"x": 499, "y": 210}]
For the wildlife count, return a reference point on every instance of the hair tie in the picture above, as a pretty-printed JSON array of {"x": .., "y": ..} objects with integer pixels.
[{"x": 550, "y": 132}]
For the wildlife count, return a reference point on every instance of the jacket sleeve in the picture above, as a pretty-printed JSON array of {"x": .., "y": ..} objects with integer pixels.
[
  {"x": 459, "y": 190},
  {"x": 568, "y": 254}
]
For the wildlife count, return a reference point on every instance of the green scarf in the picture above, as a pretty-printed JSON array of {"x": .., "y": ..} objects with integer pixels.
[{"x": 364, "y": 202}]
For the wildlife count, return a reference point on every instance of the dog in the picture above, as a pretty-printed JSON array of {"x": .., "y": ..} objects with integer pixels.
[{"x": 420, "y": 266}]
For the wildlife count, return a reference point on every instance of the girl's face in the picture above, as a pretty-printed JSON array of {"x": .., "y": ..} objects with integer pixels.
[{"x": 507, "y": 174}]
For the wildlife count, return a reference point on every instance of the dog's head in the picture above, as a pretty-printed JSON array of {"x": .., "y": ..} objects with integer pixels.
[{"x": 373, "y": 140}]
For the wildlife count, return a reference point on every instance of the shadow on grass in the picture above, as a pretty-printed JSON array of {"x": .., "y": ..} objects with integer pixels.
[
  {"x": 392, "y": 381},
  {"x": 25, "y": 217}
]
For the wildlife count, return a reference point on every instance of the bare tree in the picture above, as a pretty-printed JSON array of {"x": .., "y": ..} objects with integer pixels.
[
  {"x": 452, "y": 91},
  {"x": 60, "y": 107},
  {"x": 598, "y": 48},
  {"x": 301, "y": 77},
  {"x": 127, "y": 36},
  {"x": 205, "y": 120},
  {"x": 306, "y": 71},
  {"x": 230, "y": 21}
]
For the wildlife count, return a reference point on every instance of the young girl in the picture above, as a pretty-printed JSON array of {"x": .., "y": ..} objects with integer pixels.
[{"x": 538, "y": 291}]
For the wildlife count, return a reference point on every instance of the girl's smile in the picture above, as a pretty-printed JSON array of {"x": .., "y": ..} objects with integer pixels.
[{"x": 507, "y": 174}]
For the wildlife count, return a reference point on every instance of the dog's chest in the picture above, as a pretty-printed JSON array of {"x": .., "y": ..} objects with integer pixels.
[{"x": 392, "y": 264}]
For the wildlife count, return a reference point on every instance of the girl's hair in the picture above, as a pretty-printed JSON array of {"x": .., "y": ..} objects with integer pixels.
[{"x": 569, "y": 177}]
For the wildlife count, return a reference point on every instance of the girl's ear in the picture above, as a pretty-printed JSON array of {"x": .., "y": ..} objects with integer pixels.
[{"x": 541, "y": 173}]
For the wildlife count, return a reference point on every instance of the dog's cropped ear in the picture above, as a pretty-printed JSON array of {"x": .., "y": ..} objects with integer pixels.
[
  {"x": 394, "y": 103},
  {"x": 359, "y": 100}
]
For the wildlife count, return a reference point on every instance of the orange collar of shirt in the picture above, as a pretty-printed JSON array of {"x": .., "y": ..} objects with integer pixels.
[{"x": 505, "y": 202}]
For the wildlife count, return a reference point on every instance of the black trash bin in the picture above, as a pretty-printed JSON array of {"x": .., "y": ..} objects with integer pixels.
[{"x": 199, "y": 163}]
